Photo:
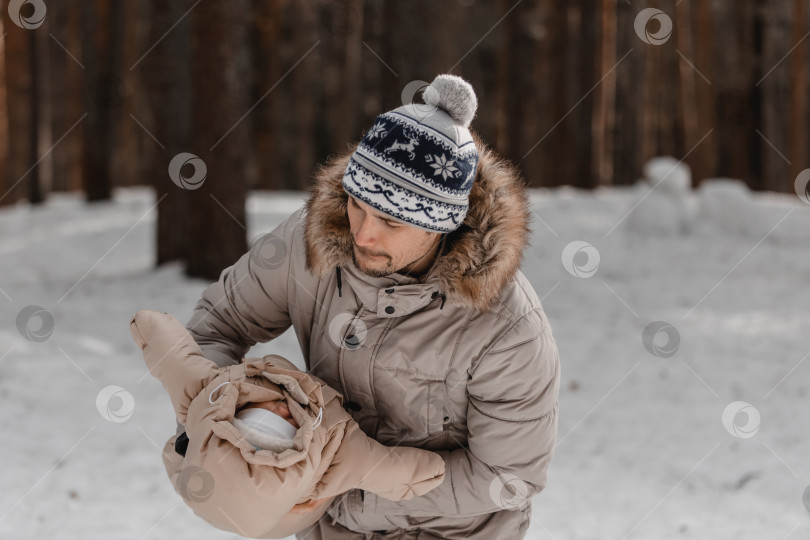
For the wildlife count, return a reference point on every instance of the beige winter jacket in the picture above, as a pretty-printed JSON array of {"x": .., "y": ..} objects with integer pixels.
[
  {"x": 462, "y": 361},
  {"x": 237, "y": 488}
]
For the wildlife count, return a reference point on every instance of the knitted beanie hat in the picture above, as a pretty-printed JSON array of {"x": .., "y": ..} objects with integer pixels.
[{"x": 417, "y": 163}]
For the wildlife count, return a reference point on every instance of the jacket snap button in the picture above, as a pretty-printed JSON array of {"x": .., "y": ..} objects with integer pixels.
[
  {"x": 389, "y": 291},
  {"x": 446, "y": 418},
  {"x": 389, "y": 309},
  {"x": 352, "y": 342},
  {"x": 353, "y": 405}
]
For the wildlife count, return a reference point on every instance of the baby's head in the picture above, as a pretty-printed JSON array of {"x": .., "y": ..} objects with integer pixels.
[
  {"x": 267, "y": 425},
  {"x": 278, "y": 407}
]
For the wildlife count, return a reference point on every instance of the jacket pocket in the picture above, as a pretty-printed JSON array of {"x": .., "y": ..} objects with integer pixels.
[{"x": 413, "y": 411}]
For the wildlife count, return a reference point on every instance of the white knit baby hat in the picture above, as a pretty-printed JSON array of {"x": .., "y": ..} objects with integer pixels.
[
  {"x": 265, "y": 430},
  {"x": 417, "y": 163}
]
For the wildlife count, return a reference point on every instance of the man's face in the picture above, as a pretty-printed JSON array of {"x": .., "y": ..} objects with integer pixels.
[{"x": 382, "y": 245}]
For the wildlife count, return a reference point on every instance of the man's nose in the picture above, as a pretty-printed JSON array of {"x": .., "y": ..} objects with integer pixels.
[{"x": 366, "y": 235}]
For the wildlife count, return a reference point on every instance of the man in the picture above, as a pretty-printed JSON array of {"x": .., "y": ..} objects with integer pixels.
[{"x": 400, "y": 276}]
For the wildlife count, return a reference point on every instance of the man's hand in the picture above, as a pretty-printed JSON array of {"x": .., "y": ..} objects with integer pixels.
[{"x": 308, "y": 506}]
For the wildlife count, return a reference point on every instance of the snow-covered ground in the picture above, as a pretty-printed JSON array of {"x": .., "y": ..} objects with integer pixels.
[{"x": 720, "y": 280}]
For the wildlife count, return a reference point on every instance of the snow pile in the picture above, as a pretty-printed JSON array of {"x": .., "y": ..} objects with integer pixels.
[
  {"x": 665, "y": 205},
  {"x": 727, "y": 207}
]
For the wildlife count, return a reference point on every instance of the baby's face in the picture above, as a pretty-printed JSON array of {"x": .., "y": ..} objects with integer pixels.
[{"x": 277, "y": 407}]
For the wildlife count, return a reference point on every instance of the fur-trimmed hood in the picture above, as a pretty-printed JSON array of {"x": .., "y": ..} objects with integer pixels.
[{"x": 479, "y": 257}]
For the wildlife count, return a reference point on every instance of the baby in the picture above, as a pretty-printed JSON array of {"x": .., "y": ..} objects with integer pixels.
[
  {"x": 265, "y": 438},
  {"x": 267, "y": 425}
]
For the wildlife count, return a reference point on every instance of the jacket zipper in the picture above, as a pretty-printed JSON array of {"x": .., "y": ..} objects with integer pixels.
[{"x": 371, "y": 373}]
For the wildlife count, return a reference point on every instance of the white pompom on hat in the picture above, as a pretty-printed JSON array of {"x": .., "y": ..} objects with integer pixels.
[{"x": 455, "y": 96}]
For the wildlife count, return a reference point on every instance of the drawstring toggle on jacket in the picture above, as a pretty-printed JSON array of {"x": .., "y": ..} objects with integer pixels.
[{"x": 437, "y": 293}]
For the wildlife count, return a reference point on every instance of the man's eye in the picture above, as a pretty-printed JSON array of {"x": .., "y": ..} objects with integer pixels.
[{"x": 387, "y": 223}]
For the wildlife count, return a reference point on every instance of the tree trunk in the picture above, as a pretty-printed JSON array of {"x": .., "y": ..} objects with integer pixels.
[
  {"x": 22, "y": 171},
  {"x": 220, "y": 72},
  {"x": 582, "y": 34},
  {"x": 103, "y": 24},
  {"x": 167, "y": 70},
  {"x": 307, "y": 110},
  {"x": 375, "y": 74},
  {"x": 774, "y": 85},
  {"x": 604, "y": 114},
  {"x": 704, "y": 163},
  {"x": 734, "y": 36},
  {"x": 515, "y": 94},
  {"x": 800, "y": 111},
  {"x": 66, "y": 96},
  {"x": 267, "y": 67},
  {"x": 342, "y": 50},
  {"x": 629, "y": 91},
  {"x": 41, "y": 139},
  {"x": 5, "y": 184}
]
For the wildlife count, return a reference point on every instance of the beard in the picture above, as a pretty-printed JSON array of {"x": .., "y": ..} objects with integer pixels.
[
  {"x": 371, "y": 272},
  {"x": 387, "y": 269}
]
